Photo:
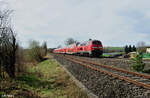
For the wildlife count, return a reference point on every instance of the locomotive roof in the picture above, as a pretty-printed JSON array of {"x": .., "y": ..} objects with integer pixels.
[{"x": 95, "y": 40}]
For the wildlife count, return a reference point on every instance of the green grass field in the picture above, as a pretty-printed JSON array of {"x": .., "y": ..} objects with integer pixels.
[{"x": 113, "y": 49}]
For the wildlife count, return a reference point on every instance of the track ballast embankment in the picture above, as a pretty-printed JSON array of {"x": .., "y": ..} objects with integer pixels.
[{"x": 106, "y": 82}]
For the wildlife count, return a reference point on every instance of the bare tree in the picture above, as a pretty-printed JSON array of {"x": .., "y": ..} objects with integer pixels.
[
  {"x": 8, "y": 44},
  {"x": 70, "y": 41},
  {"x": 141, "y": 46},
  {"x": 44, "y": 47},
  {"x": 59, "y": 46},
  {"x": 35, "y": 51}
]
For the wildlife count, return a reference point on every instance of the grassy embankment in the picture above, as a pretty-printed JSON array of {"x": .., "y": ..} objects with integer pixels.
[{"x": 47, "y": 79}]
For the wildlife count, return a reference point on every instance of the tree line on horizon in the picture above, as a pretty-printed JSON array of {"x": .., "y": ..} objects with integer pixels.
[
  {"x": 140, "y": 47},
  {"x": 129, "y": 48}
]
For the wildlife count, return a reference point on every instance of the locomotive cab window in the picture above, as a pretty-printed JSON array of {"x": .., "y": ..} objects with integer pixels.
[{"x": 96, "y": 42}]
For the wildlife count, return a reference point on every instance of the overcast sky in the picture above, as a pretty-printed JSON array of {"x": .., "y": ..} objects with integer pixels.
[{"x": 114, "y": 22}]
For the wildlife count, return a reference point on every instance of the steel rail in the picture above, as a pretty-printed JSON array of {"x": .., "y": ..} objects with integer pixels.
[
  {"x": 117, "y": 69},
  {"x": 141, "y": 84}
]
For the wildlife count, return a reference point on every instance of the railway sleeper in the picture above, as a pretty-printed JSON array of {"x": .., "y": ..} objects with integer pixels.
[
  {"x": 116, "y": 72},
  {"x": 120, "y": 80},
  {"x": 128, "y": 83},
  {"x": 136, "y": 87},
  {"x": 135, "y": 78},
  {"x": 128, "y": 75},
  {"x": 148, "y": 83},
  {"x": 145, "y": 81}
]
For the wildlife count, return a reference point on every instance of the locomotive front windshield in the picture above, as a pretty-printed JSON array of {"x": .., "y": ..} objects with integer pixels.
[{"x": 96, "y": 42}]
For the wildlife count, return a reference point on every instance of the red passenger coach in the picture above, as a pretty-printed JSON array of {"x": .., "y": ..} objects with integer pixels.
[
  {"x": 91, "y": 48},
  {"x": 59, "y": 50},
  {"x": 71, "y": 49}
]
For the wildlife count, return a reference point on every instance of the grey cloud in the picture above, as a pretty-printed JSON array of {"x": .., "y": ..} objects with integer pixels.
[{"x": 106, "y": 20}]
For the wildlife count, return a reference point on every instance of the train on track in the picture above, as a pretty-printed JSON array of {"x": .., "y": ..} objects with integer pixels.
[{"x": 90, "y": 48}]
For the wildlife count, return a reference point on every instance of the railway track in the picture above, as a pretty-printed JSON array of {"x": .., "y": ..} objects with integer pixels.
[
  {"x": 118, "y": 59},
  {"x": 138, "y": 79}
]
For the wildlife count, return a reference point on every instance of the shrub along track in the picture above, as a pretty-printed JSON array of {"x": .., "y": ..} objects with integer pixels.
[{"x": 104, "y": 83}]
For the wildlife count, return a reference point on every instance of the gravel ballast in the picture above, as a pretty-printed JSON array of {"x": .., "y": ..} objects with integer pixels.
[
  {"x": 102, "y": 85},
  {"x": 116, "y": 62}
]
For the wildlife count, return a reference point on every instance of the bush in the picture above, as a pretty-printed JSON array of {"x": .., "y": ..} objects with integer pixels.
[
  {"x": 146, "y": 55},
  {"x": 35, "y": 51},
  {"x": 20, "y": 60},
  {"x": 137, "y": 63},
  {"x": 33, "y": 55},
  {"x": 44, "y": 48},
  {"x": 141, "y": 49}
]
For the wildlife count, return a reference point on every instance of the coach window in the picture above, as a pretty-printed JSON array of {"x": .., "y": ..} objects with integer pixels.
[
  {"x": 88, "y": 43},
  {"x": 84, "y": 43}
]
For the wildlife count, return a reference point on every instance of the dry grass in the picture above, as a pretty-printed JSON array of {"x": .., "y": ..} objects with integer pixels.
[{"x": 47, "y": 79}]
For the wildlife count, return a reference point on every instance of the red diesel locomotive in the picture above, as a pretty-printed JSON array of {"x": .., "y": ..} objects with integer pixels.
[{"x": 91, "y": 48}]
